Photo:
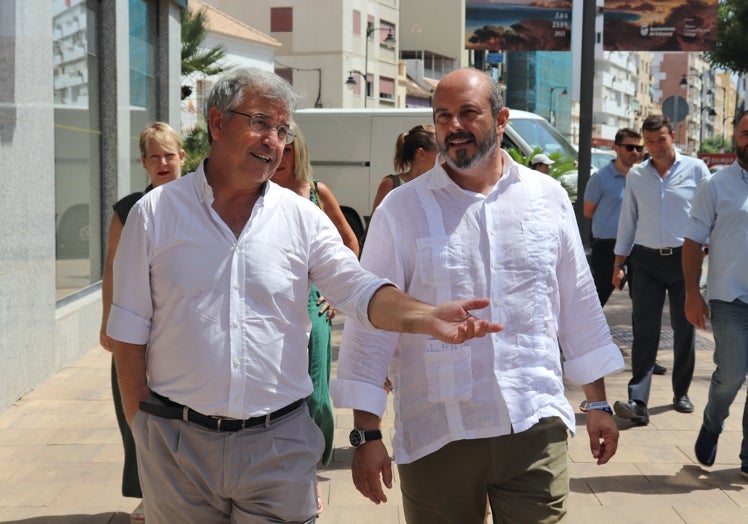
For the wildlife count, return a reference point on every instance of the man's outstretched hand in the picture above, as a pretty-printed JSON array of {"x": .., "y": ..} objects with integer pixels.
[{"x": 452, "y": 322}]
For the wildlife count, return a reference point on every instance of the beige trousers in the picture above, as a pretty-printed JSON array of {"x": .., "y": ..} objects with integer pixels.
[{"x": 252, "y": 476}]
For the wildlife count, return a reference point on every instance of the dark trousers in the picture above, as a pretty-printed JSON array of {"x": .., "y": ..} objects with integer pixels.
[
  {"x": 601, "y": 265},
  {"x": 130, "y": 479},
  {"x": 656, "y": 275}
]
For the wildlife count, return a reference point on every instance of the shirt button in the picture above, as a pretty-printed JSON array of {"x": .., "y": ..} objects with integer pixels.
[
  {"x": 235, "y": 323},
  {"x": 495, "y": 266},
  {"x": 236, "y": 285},
  {"x": 495, "y": 301}
]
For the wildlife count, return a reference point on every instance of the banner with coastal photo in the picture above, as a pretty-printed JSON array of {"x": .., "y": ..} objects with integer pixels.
[
  {"x": 660, "y": 25},
  {"x": 530, "y": 25}
]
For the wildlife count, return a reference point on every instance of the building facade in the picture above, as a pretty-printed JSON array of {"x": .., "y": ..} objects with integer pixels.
[{"x": 79, "y": 79}]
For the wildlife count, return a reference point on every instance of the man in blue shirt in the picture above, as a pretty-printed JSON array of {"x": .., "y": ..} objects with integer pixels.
[
  {"x": 720, "y": 216},
  {"x": 602, "y": 204},
  {"x": 654, "y": 214}
]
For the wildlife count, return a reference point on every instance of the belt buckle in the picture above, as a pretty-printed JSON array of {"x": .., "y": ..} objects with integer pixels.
[{"x": 666, "y": 251}]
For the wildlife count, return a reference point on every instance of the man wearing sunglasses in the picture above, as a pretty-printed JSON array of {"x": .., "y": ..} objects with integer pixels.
[
  {"x": 651, "y": 228},
  {"x": 602, "y": 204}
]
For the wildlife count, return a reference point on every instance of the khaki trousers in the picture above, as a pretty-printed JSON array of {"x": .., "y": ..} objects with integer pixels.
[
  {"x": 524, "y": 475},
  {"x": 252, "y": 476}
]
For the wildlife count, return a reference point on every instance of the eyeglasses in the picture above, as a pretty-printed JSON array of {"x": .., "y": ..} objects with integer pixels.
[
  {"x": 631, "y": 147},
  {"x": 259, "y": 124}
]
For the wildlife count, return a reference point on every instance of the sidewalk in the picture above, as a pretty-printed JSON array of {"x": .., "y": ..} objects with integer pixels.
[{"x": 61, "y": 454}]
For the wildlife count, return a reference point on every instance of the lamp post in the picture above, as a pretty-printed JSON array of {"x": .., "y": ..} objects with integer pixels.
[
  {"x": 389, "y": 40},
  {"x": 551, "y": 116},
  {"x": 350, "y": 81}
]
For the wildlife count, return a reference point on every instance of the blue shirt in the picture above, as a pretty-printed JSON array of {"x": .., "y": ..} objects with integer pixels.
[
  {"x": 605, "y": 190},
  {"x": 654, "y": 212},
  {"x": 720, "y": 216}
]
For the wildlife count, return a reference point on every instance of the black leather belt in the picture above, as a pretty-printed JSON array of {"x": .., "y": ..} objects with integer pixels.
[
  {"x": 174, "y": 410},
  {"x": 662, "y": 251}
]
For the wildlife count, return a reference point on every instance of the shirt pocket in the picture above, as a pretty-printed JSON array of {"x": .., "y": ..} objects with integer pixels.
[
  {"x": 540, "y": 240},
  {"x": 449, "y": 374},
  {"x": 442, "y": 262}
]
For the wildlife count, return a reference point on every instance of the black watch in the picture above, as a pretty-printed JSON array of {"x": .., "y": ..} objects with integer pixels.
[{"x": 359, "y": 436}]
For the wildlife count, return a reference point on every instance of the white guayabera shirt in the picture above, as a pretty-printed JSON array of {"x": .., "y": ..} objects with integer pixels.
[{"x": 520, "y": 246}]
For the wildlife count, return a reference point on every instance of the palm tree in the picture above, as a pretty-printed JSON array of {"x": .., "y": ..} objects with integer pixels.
[{"x": 195, "y": 57}]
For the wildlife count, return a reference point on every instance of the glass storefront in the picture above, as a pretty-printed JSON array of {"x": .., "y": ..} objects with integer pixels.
[
  {"x": 77, "y": 133},
  {"x": 78, "y": 130}
]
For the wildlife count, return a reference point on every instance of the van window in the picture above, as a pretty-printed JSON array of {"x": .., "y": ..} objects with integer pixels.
[{"x": 538, "y": 132}]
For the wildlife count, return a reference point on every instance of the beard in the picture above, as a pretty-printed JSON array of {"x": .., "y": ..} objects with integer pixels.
[
  {"x": 742, "y": 154},
  {"x": 486, "y": 146}
]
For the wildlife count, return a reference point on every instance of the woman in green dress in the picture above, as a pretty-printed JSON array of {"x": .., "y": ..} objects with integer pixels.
[{"x": 295, "y": 173}]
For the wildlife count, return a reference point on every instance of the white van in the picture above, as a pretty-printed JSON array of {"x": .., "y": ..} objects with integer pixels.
[{"x": 352, "y": 149}]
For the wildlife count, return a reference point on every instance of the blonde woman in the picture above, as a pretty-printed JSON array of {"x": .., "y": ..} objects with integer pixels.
[{"x": 162, "y": 157}]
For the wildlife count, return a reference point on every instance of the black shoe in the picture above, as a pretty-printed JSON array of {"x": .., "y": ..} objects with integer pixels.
[
  {"x": 659, "y": 370},
  {"x": 706, "y": 447},
  {"x": 744, "y": 471},
  {"x": 633, "y": 411},
  {"x": 683, "y": 404}
]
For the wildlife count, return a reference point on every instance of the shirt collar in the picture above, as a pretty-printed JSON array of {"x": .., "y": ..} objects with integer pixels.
[
  {"x": 205, "y": 192},
  {"x": 439, "y": 179}
]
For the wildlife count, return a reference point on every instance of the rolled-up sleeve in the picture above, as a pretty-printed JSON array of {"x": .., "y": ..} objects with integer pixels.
[
  {"x": 365, "y": 352},
  {"x": 589, "y": 351},
  {"x": 336, "y": 271},
  {"x": 132, "y": 306},
  {"x": 701, "y": 219}
]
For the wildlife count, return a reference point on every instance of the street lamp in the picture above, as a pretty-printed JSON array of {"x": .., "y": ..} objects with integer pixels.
[
  {"x": 389, "y": 40},
  {"x": 350, "y": 81},
  {"x": 551, "y": 117}
]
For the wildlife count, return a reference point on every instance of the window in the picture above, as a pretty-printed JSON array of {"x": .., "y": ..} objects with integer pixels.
[
  {"x": 386, "y": 88},
  {"x": 356, "y": 22},
  {"x": 143, "y": 33},
  {"x": 77, "y": 143},
  {"x": 281, "y": 19}
]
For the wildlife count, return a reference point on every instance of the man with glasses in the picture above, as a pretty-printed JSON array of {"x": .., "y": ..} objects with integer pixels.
[
  {"x": 602, "y": 204},
  {"x": 654, "y": 214},
  {"x": 212, "y": 274}
]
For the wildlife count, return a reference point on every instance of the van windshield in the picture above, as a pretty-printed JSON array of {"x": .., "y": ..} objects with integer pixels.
[{"x": 538, "y": 132}]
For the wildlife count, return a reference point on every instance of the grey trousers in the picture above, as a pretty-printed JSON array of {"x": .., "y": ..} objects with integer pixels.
[{"x": 252, "y": 476}]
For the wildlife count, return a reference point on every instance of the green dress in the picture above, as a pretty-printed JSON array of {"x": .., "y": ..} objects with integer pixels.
[{"x": 320, "y": 363}]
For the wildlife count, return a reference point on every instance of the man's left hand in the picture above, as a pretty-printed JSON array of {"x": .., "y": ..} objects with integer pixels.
[
  {"x": 452, "y": 322},
  {"x": 603, "y": 434}
]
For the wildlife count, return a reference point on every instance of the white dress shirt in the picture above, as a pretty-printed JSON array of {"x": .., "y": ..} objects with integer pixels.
[
  {"x": 520, "y": 246},
  {"x": 225, "y": 320}
]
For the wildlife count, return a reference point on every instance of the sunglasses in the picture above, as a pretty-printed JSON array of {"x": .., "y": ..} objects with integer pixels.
[{"x": 631, "y": 147}]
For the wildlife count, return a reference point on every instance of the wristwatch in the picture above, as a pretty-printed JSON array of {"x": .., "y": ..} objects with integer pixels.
[
  {"x": 601, "y": 405},
  {"x": 359, "y": 436}
]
